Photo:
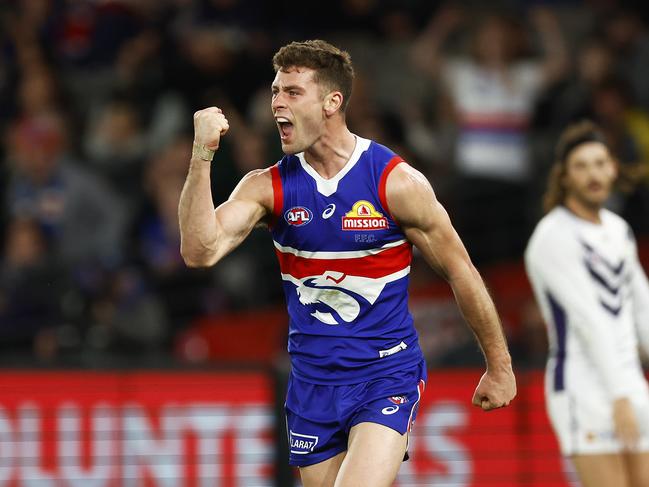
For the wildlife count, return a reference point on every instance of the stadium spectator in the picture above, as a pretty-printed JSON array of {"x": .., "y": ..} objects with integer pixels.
[
  {"x": 491, "y": 96},
  {"x": 626, "y": 33},
  {"x": 32, "y": 288},
  {"x": 116, "y": 145},
  {"x": 627, "y": 131},
  {"x": 82, "y": 218}
]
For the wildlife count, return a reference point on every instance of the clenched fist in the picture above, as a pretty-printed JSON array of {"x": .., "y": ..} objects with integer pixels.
[
  {"x": 496, "y": 389},
  {"x": 209, "y": 125}
]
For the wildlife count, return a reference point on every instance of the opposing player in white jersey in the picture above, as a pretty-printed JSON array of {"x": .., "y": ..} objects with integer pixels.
[{"x": 593, "y": 293}]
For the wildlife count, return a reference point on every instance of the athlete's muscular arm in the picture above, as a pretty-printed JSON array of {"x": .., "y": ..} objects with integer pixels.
[
  {"x": 414, "y": 207},
  {"x": 207, "y": 234}
]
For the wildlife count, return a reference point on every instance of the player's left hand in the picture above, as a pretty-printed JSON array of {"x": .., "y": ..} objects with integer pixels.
[{"x": 496, "y": 388}]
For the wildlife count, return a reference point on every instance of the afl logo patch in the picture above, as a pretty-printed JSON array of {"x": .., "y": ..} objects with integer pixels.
[{"x": 298, "y": 216}]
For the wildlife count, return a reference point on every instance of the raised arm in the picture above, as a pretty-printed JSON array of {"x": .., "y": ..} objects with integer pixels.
[
  {"x": 426, "y": 53},
  {"x": 208, "y": 234},
  {"x": 555, "y": 54},
  {"x": 425, "y": 222}
]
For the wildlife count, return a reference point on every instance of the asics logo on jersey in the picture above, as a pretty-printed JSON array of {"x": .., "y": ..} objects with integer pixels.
[
  {"x": 298, "y": 216},
  {"x": 328, "y": 211}
]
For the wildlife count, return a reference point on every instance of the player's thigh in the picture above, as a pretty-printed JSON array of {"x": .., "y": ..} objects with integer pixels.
[
  {"x": 603, "y": 470},
  {"x": 374, "y": 455},
  {"x": 638, "y": 468},
  {"x": 322, "y": 474}
]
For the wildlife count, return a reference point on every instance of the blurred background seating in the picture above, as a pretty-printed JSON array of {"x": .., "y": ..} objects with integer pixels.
[{"x": 96, "y": 99}]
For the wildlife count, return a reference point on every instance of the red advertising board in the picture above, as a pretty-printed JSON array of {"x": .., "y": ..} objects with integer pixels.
[
  {"x": 150, "y": 429},
  {"x": 456, "y": 444},
  {"x": 135, "y": 429}
]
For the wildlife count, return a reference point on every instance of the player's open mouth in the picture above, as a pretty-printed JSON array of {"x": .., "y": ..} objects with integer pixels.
[{"x": 285, "y": 127}]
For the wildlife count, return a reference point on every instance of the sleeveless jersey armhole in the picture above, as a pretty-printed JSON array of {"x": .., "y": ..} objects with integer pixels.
[
  {"x": 396, "y": 160},
  {"x": 278, "y": 195}
]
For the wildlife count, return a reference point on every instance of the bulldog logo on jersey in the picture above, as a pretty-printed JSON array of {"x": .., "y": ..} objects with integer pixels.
[
  {"x": 364, "y": 217},
  {"x": 338, "y": 294},
  {"x": 298, "y": 216}
]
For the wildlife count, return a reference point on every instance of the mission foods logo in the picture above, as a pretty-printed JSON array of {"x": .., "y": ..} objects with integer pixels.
[
  {"x": 298, "y": 216},
  {"x": 363, "y": 216}
]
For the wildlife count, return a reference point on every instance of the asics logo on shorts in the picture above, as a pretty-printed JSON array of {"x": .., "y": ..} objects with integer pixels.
[
  {"x": 390, "y": 410},
  {"x": 397, "y": 401}
]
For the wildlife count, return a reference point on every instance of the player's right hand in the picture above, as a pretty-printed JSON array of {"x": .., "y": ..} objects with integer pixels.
[
  {"x": 209, "y": 125},
  {"x": 625, "y": 423}
]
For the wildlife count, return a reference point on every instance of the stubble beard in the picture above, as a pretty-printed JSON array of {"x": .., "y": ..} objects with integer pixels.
[{"x": 593, "y": 204}]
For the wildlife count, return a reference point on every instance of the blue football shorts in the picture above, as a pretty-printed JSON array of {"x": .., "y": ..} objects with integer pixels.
[{"x": 319, "y": 417}]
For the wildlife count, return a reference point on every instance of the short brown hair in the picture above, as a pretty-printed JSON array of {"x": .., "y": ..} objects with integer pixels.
[
  {"x": 333, "y": 67},
  {"x": 572, "y": 137}
]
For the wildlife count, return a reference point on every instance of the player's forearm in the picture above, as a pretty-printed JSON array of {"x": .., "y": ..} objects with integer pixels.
[
  {"x": 554, "y": 48},
  {"x": 427, "y": 50},
  {"x": 480, "y": 313},
  {"x": 198, "y": 230}
]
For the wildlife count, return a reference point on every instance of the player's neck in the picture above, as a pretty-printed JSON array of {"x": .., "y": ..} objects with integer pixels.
[
  {"x": 580, "y": 209},
  {"x": 331, "y": 151}
]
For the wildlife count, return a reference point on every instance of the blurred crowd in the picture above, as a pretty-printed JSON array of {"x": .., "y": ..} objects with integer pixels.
[{"x": 96, "y": 103}]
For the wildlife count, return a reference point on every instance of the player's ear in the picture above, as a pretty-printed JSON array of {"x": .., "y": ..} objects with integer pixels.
[{"x": 332, "y": 103}]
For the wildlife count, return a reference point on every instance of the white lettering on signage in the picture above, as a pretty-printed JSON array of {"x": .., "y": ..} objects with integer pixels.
[
  {"x": 129, "y": 443},
  {"x": 208, "y": 422},
  {"x": 432, "y": 436},
  {"x": 159, "y": 453},
  {"x": 103, "y": 448},
  {"x": 253, "y": 449},
  {"x": 149, "y": 448},
  {"x": 7, "y": 453},
  {"x": 30, "y": 448}
]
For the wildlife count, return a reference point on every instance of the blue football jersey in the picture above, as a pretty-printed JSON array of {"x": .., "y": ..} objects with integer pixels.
[{"x": 345, "y": 265}]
